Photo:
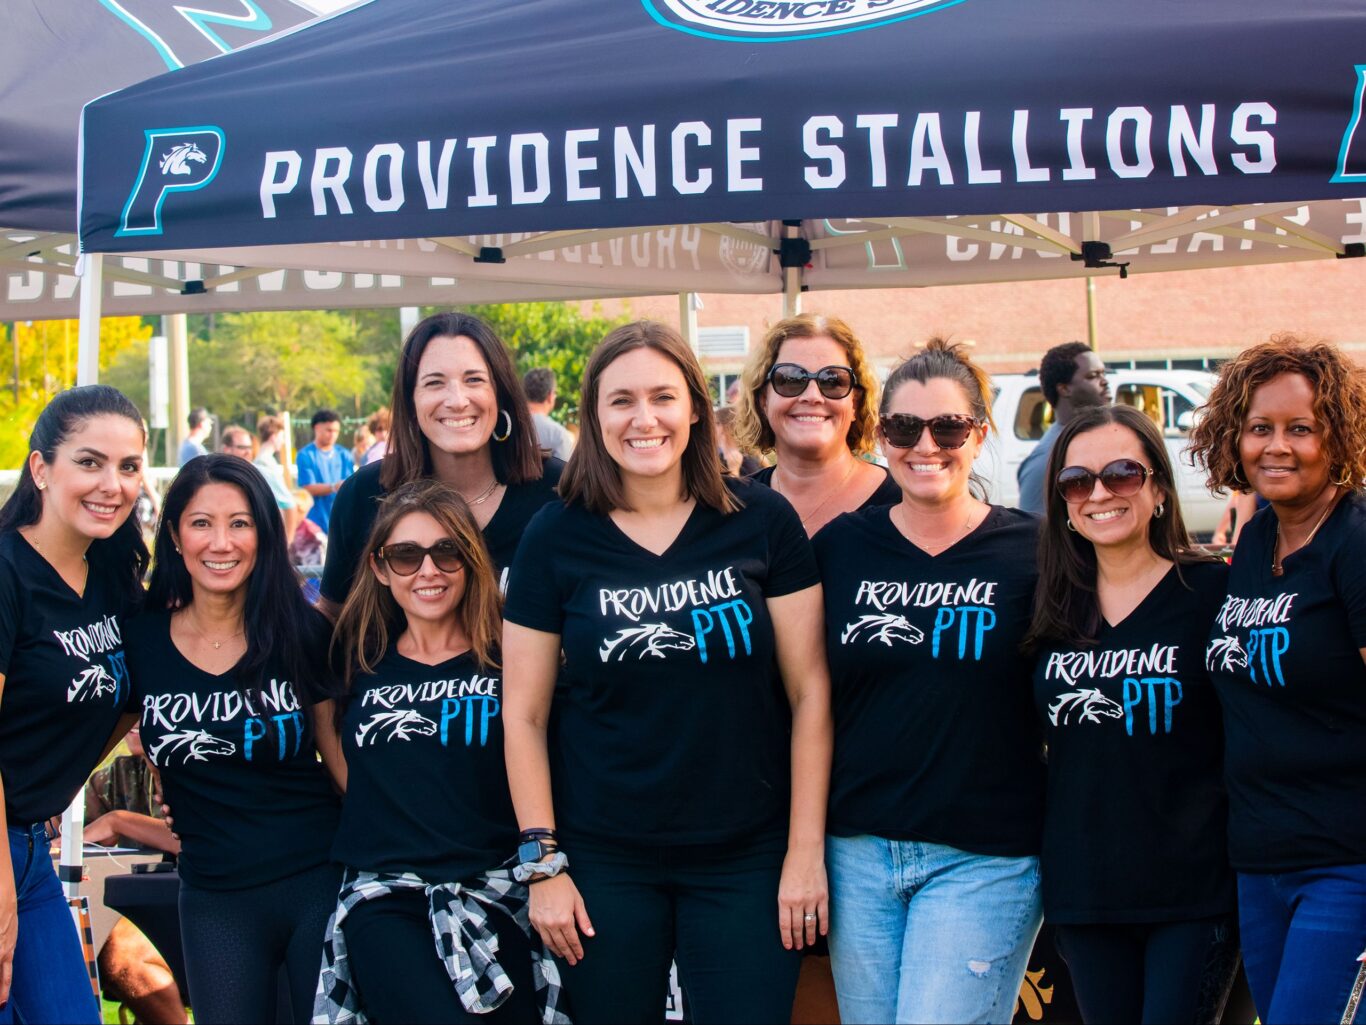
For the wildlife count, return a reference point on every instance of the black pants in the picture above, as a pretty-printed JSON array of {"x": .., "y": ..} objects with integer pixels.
[
  {"x": 714, "y": 907},
  {"x": 1164, "y": 972},
  {"x": 236, "y": 941},
  {"x": 399, "y": 974}
]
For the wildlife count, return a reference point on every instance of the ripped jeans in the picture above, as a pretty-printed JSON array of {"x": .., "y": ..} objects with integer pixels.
[{"x": 920, "y": 932}]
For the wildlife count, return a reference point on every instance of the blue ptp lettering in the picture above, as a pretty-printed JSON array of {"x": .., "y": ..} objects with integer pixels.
[
  {"x": 974, "y": 619},
  {"x": 451, "y": 709},
  {"x": 1265, "y": 647},
  {"x": 704, "y": 621},
  {"x": 1134, "y": 693},
  {"x": 253, "y": 729}
]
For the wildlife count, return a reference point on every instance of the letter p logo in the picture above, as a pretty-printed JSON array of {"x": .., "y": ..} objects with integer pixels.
[{"x": 174, "y": 160}]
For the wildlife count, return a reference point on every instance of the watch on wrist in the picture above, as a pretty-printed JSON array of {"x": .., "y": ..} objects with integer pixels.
[{"x": 535, "y": 848}]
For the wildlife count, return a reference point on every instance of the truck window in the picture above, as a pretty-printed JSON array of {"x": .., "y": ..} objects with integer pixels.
[
  {"x": 1032, "y": 416},
  {"x": 1162, "y": 405}
]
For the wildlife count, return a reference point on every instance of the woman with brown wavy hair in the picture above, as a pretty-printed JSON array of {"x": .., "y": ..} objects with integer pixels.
[
  {"x": 684, "y": 769},
  {"x": 809, "y": 395},
  {"x": 1287, "y": 419},
  {"x": 427, "y": 824},
  {"x": 1134, "y": 859},
  {"x": 458, "y": 416}
]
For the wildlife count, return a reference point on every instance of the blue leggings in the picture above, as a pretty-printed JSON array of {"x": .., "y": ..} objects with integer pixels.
[
  {"x": 1302, "y": 935},
  {"x": 50, "y": 980}
]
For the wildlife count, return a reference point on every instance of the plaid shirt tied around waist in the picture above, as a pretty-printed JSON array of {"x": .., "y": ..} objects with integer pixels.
[{"x": 464, "y": 938}]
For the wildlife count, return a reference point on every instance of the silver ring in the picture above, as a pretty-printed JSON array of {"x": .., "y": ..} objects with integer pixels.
[{"x": 808, "y": 917}]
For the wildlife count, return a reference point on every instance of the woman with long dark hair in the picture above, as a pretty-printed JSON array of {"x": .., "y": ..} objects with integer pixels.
[
  {"x": 688, "y": 608},
  {"x": 71, "y": 565},
  {"x": 936, "y": 788},
  {"x": 458, "y": 416},
  {"x": 1135, "y": 862},
  {"x": 1287, "y": 420},
  {"x": 427, "y": 825},
  {"x": 225, "y": 663}
]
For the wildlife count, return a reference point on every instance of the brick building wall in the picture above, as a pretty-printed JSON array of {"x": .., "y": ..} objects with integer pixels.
[{"x": 1182, "y": 315}]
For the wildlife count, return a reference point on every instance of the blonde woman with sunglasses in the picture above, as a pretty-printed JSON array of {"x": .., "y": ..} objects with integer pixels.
[
  {"x": 936, "y": 786},
  {"x": 809, "y": 397}
]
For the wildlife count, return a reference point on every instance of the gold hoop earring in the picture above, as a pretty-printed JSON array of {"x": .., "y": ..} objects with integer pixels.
[
  {"x": 508, "y": 433},
  {"x": 1242, "y": 484},
  {"x": 1344, "y": 483}
]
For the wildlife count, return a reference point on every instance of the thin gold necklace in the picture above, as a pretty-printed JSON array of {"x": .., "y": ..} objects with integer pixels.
[
  {"x": 925, "y": 547},
  {"x": 1277, "y": 564},
  {"x": 484, "y": 496},
  {"x": 185, "y": 617},
  {"x": 831, "y": 493},
  {"x": 85, "y": 564}
]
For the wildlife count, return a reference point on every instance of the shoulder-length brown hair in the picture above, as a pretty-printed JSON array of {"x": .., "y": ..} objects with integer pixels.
[
  {"x": 592, "y": 478},
  {"x": 1066, "y": 609},
  {"x": 371, "y": 620},
  {"x": 1339, "y": 406},
  {"x": 515, "y": 460},
  {"x": 752, "y": 429}
]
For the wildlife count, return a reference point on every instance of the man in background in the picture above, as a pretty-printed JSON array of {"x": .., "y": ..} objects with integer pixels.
[
  {"x": 539, "y": 385},
  {"x": 236, "y": 441},
  {"x": 323, "y": 465},
  {"x": 200, "y": 425},
  {"x": 1072, "y": 377}
]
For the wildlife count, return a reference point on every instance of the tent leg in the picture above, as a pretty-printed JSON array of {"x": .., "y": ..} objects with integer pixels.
[
  {"x": 792, "y": 292},
  {"x": 687, "y": 317},
  {"x": 73, "y": 850},
  {"x": 88, "y": 337},
  {"x": 1091, "y": 312},
  {"x": 173, "y": 327}
]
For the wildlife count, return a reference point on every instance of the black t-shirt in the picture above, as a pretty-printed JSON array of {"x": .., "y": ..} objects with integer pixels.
[
  {"x": 935, "y": 739},
  {"x": 252, "y": 803},
  {"x": 1285, "y": 657},
  {"x": 66, "y": 682},
  {"x": 357, "y": 506},
  {"x": 427, "y": 788},
  {"x": 1134, "y": 827},
  {"x": 669, "y": 723},
  {"x": 887, "y": 493}
]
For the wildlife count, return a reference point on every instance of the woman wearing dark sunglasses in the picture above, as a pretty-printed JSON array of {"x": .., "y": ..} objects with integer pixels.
[
  {"x": 810, "y": 397},
  {"x": 936, "y": 789},
  {"x": 427, "y": 824},
  {"x": 459, "y": 416},
  {"x": 1135, "y": 867},
  {"x": 224, "y": 664}
]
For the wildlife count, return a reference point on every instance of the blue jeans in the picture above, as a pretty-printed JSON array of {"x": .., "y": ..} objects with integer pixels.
[
  {"x": 50, "y": 981},
  {"x": 1302, "y": 935},
  {"x": 920, "y": 932}
]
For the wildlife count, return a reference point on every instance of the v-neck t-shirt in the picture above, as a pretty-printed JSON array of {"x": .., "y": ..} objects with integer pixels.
[
  {"x": 66, "y": 681},
  {"x": 1135, "y": 824},
  {"x": 935, "y": 737},
  {"x": 887, "y": 493},
  {"x": 427, "y": 788},
  {"x": 1285, "y": 658},
  {"x": 252, "y": 802},
  {"x": 669, "y": 724},
  {"x": 357, "y": 507}
]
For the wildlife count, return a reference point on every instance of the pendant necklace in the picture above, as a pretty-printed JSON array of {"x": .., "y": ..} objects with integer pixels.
[{"x": 1278, "y": 565}]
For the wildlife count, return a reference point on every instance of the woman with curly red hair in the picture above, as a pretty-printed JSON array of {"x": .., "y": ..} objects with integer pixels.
[{"x": 1287, "y": 419}]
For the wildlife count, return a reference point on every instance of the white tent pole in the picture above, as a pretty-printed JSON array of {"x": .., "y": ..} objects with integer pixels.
[
  {"x": 687, "y": 318},
  {"x": 1091, "y": 311},
  {"x": 91, "y": 271},
  {"x": 174, "y": 328},
  {"x": 792, "y": 278}
]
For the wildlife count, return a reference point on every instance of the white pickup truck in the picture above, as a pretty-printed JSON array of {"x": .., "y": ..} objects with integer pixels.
[{"x": 1170, "y": 397}]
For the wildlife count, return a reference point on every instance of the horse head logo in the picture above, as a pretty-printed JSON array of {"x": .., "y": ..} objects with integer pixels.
[
  {"x": 92, "y": 682},
  {"x": 885, "y": 629},
  {"x": 400, "y": 724},
  {"x": 649, "y": 640},
  {"x": 1225, "y": 654},
  {"x": 1086, "y": 705},
  {"x": 189, "y": 746},
  {"x": 177, "y": 161}
]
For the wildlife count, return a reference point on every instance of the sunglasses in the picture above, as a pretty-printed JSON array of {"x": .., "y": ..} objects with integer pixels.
[
  {"x": 1122, "y": 478},
  {"x": 949, "y": 430},
  {"x": 790, "y": 380},
  {"x": 405, "y": 558}
]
